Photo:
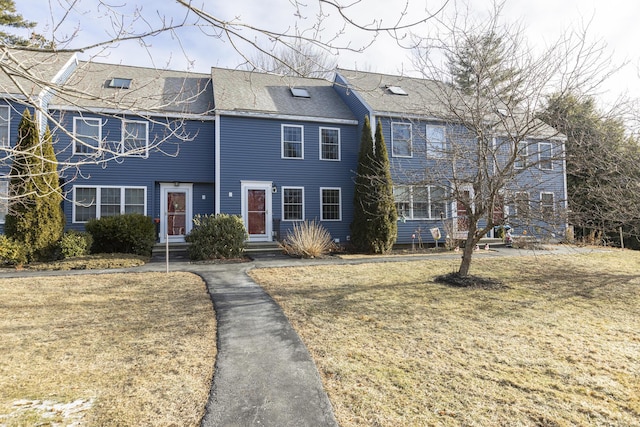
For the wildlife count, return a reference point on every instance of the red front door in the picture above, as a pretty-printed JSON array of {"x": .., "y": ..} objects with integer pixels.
[{"x": 257, "y": 211}]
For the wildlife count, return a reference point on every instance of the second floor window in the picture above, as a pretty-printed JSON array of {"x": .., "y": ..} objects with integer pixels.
[
  {"x": 521, "y": 155},
  {"x": 436, "y": 141},
  {"x": 545, "y": 154},
  {"x": 135, "y": 138},
  {"x": 4, "y": 125},
  {"x": 87, "y": 135},
  {"x": 292, "y": 142},
  {"x": 401, "y": 140},
  {"x": 329, "y": 144}
]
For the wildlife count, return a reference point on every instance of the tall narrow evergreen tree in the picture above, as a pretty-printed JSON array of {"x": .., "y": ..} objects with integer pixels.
[
  {"x": 362, "y": 203},
  {"x": 385, "y": 226},
  {"x": 374, "y": 227},
  {"x": 35, "y": 215}
]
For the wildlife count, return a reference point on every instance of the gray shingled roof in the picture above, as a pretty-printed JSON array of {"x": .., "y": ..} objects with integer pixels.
[
  {"x": 151, "y": 91},
  {"x": 421, "y": 94},
  {"x": 27, "y": 73},
  {"x": 253, "y": 92},
  {"x": 425, "y": 98}
]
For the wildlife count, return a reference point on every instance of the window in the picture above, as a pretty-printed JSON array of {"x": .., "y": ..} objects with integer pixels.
[
  {"x": 396, "y": 90},
  {"x": 546, "y": 206},
  {"x": 521, "y": 155},
  {"x": 402, "y": 197},
  {"x": 329, "y": 144},
  {"x": 98, "y": 202},
  {"x": 4, "y": 200},
  {"x": 87, "y": 135},
  {"x": 436, "y": 141},
  {"x": 420, "y": 202},
  {"x": 4, "y": 126},
  {"x": 120, "y": 83},
  {"x": 292, "y": 142},
  {"x": 292, "y": 203},
  {"x": 330, "y": 205},
  {"x": 135, "y": 138},
  {"x": 522, "y": 207},
  {"x": 401, "y": 140},
  {"x": 299, "y": 92},
  {"x": 544, "y": 156}
]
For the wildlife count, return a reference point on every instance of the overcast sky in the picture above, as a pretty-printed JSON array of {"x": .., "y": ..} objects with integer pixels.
[{"x": 613, "y": 21}]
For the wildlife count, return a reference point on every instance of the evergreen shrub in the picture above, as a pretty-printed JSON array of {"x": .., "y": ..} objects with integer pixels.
[
  {"x": 129, "y": 234},
  {"x": 11, "y": 252},
  {"x": 216, "y": 236},
  {"x": 75, "y": 244}
]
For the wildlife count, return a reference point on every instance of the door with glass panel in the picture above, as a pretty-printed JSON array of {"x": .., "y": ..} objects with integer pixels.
[
  {"x": 256, "y": 210},
  {"x": 175, "y": 207}
]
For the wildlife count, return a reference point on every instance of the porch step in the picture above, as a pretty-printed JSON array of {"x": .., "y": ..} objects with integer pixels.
[
  {"x": 492, "y": 242},
  {"x": 177, "y": 252},
  {"x": 262, "y": 247}
]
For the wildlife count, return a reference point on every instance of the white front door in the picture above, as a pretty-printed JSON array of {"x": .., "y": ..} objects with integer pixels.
[
  {"x": 256, "y": 210},
  {"x": 176, "y": 211}
]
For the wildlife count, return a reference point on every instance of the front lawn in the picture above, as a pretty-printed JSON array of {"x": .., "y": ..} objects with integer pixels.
[
  {"x": 110, "y": 350},
  {"x": 558, "y": 345}
]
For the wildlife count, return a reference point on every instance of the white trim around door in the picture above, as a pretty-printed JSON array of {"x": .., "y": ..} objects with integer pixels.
[
  {"x": 176, "y": 211},
  {"x": 256, "y": 210}
]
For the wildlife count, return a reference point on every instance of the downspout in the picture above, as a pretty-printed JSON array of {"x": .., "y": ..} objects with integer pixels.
[
  {"x": 566, "y": 191},
  {"x": 217, "y": 163}
]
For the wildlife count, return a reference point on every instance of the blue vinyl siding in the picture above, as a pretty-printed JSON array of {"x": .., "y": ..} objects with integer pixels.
[
  {"x": 353, "y": 101},
  {"x": 250, "y": 150},
  {"x": 173, "y": 161}
]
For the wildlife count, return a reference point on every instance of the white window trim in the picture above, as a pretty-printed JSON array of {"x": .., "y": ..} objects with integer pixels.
[
  {"x": 75, "y": 135},
  {"x": 4, "y": 198},
  {"x": 282, "y": 141},
  {"x": 393, "y": 154},
  {"x": 411, "y": 216},
  {"x": 524, "y": 157},
  {"x": 283, "y": 204},
  {"x": 339, "y": 145},
  {"x": 8, "y": 144},
  {"x": 553, "y": 203},
  {"x": 516, "y": 211},
  {"x": 339, "y": 204},
  {"x": 444, "y": 143},
  {"x": 98, "y": 189},
  {"x": 540, "y": 151},
  {"x": 146, "y": 136}
]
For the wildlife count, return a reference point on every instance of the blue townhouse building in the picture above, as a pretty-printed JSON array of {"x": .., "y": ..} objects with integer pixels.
[{"x": 273, "y": 149}]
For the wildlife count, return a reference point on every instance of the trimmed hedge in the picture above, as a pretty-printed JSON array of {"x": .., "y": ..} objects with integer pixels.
[
  {"x": 216, "y": 236},
  {"x": 129, "y": 234}
]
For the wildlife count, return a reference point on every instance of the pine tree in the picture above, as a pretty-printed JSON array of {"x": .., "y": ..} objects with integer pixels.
[
  {"x": 374, "y": 227},
  {"x": 362, "y": 203},
  {"x": 9, "y": 18},
  {"x": 35, "y": 214}
]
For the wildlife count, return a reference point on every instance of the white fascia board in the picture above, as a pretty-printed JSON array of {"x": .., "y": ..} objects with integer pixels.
[
  {"x": 275, "y": 116},
  {"x": 186, "y": 116}
]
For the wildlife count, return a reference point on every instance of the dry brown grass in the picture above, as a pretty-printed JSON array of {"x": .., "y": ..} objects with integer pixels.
[
  {"x": 140, "y": 348},
  {"x": 559, "y": 346}
]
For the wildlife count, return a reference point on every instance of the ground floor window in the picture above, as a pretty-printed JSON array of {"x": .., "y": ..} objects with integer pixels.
[
  {"x": 102, "y": 201},
  {"x": 420, "y": 201},
  {"x": 4, "y": 200},
  {"x": 330, "y": 205},
  {"x": 293, "y": 203},
  {"x": 547, "y": 206}
]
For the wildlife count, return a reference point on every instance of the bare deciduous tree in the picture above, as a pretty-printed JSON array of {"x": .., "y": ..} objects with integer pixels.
[
  {"x": 497, "y": 151},
  {"x": 30, "y": 76}
]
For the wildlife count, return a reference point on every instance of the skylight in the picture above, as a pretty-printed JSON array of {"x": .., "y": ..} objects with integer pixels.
[
  {"x": 299, "y": 92},
  {"x": 120, "y": 83},
  {"x": 396, "y": 90}
]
